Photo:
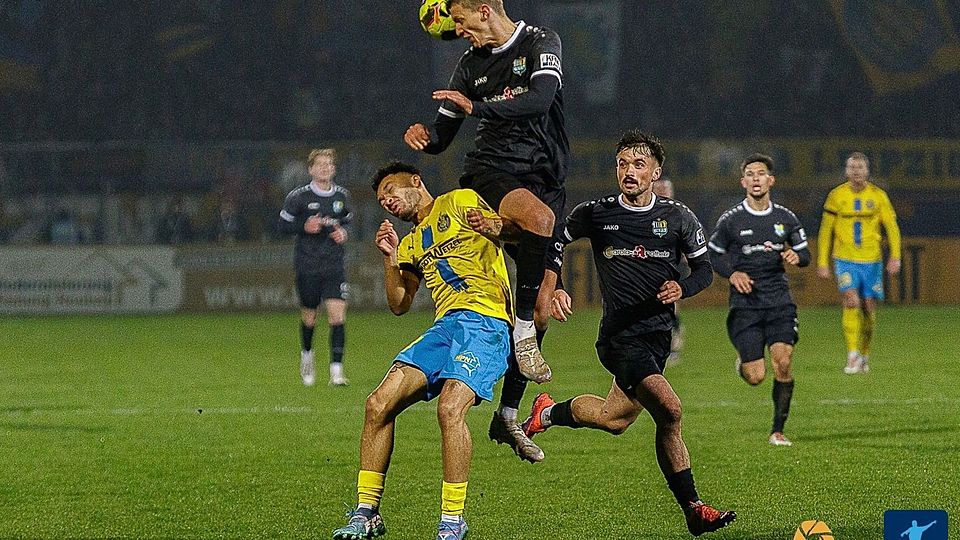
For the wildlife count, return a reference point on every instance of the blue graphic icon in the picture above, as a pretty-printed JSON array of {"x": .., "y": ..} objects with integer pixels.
[{"x": 915, "y": 525}]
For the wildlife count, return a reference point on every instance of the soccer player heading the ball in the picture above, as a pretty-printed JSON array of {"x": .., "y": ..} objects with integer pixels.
[
  {"x": 749, "y": 246},
  {"x": 458, "y": 359},
  {"x": 511, "y": 79},
  {"x": 638, "y": 240}
]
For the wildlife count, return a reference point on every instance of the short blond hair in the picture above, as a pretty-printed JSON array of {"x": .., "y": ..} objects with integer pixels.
[
  {"x": 497, "y": 5},
  {"x": 859, "y": 156},
  {"x": 322, "y": 152}
]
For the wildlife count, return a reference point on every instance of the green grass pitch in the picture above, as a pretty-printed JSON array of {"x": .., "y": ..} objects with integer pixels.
[{"x": 199, "y": 427}]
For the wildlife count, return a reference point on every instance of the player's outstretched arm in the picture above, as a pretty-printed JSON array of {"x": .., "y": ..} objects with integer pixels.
[
  {"x": 533, "y": 103},
  {"x": 492, "y": 226}
]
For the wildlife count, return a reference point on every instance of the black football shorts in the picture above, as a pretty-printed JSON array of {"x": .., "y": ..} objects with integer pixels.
[
  {"x": 315, "y": 288},
  {"x": 633, "y": 358},
  {"x": 752, "y": 330}
]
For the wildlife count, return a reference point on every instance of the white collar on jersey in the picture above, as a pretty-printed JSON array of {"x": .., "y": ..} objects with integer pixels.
[
  {"x": 323, "y": 192},
  {"x": 623, "y": 203},
  {"x": 513, "y": 38},
  {"x": 746, "y": 206}
]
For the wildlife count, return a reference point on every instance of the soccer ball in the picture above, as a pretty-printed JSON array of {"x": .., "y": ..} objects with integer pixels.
[{"x": 435, "y": 20}]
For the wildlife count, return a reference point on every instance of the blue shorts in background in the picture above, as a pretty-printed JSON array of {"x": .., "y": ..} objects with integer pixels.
[
  {"x": 462, "y": 345},
  {"x": 865, "y": 278}
]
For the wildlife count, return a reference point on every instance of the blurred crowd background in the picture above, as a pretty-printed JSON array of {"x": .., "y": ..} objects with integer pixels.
[{"x": 189, "y": 120}]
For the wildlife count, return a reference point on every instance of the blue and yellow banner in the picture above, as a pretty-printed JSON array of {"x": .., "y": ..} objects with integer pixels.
[{"x": 900, "y": 45}]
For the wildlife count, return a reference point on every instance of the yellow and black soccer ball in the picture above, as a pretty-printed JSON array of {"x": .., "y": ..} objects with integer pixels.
[{"x": 435, "y": 20}]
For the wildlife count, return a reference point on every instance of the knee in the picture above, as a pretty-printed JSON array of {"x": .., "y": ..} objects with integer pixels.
[
  {"x": 449, "y": 413},
  {"x": 851, "y": 301},
  {"x": 670, "y": 416},
  {"x": 335, "y": 320},
  {"x": 617, "y": 426},
  {"x": 377, "y": 409},
  {"x": 753, "y": 372},
  {"x": 782, "y": 367},
  {"x": 309, "y": 318}
]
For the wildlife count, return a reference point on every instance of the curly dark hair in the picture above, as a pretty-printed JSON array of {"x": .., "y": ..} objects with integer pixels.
[
  {"x": 639, "y": 139},
  {"x": 393, "y": 167}
]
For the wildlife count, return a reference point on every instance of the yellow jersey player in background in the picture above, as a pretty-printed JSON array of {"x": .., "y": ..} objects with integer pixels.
[
  {"x": 458, "y": 359},
  {"x": 850, "y": 234}
]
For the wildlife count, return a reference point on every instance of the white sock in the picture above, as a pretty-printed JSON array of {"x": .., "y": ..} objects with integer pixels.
[
  {"x": 449, "y": 519},
  {"x": 336, "y": 369},
  {"x": 523, "y": 329},
  {"x": 545, "y": 416},
  {"x": 507, "y": 413}
]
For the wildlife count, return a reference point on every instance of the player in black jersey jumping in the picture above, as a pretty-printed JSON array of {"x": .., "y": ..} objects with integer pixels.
[
  {"x": 318, "y": 214},
  {"x": 511, "y": 79},
  {"x": 638, "y": 240},
  {"x": 749, "y": 246}
]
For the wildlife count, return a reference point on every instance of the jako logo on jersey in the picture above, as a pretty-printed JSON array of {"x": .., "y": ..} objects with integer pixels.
[
  {"x": 779, "y": 230},
  {"x": 638, "y": 252},
  {"x": 520, "y": 65},
  {"x": 611, "y": 227},
  {"x": 747, "y": 232},
  {"x": 468, "y": 361},
  {"x": 313, "y": 206},
  {"x": 660, "y": 227},
  {"x": 480, "y": 81}
]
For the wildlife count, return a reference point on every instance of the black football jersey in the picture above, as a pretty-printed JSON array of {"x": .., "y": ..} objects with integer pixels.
[
  {"x": 315, "y": 253},
  {"x": 754, "y": 241},
  {"x": 536, "y": 144},
  {"x": 636, "y": 250}
]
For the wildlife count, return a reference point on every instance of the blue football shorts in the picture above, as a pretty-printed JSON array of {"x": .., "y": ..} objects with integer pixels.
[
  {"x": 865, "y": 278},
  {"x": 462, "y": 345}
]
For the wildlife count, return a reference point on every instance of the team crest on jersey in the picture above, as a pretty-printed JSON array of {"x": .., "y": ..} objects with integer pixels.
[
  {"x": 337, "y": 206},
  {"x": 779, "y": 230},
  {"x": 443, "y": 223},
  {"x": 313, "y": 206},
  {"x": 520, "y": 65},
  {"x": 468, "y": 361},
  {"x": 870, "y": 204},
  {"x": 660, "y": 227}
]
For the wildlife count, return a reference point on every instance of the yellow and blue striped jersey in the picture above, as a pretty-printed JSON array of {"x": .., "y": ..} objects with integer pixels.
[
  {"x": 851, "y": 224},
  {"x": 463, "y": 269}
]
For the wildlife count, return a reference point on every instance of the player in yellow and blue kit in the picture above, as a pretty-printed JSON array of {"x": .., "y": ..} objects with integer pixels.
[
  {"x": 850, "y": 233},
  {"x": 459, "y": 358}
]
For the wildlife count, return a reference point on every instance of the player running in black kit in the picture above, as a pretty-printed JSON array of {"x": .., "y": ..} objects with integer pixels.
[
  {"x": 511, "y": 79},
  {"x": 318, "y": 214},
  {"x": 751, "y": 242},
  {"x": 638, "y": 240}
]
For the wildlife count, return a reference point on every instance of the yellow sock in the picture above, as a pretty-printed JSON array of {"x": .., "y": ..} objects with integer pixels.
[
  {"x": 454, "y": 498},
  {"x": 866, "y": 331},
  {"x": 370, "y": 487},
  {"x": 851, "y": 328}
]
